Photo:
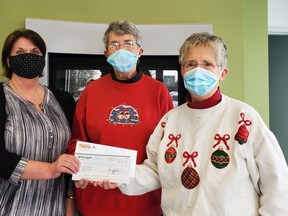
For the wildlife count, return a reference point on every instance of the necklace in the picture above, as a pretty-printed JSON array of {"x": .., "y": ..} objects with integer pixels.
[{"x": 33, "y": 98}]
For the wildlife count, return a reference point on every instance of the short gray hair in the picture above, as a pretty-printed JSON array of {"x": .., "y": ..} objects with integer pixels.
[
  {"x": 206, "y": 39},
  {"x": 122, "y": 27}
]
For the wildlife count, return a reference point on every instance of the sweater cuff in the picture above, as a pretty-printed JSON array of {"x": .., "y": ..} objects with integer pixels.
[{"x": 19, "y": 169}]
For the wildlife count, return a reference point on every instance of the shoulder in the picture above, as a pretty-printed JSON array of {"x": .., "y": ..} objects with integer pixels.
[
  {"x": 237, "y": 104},
  {"x": 153, "y": 82},
  {"x": 61, "y": 95},
  {"x": 242, "y": 110},
  {"x": 66, "y": 102},
  {"x": 100, "y": 82}
]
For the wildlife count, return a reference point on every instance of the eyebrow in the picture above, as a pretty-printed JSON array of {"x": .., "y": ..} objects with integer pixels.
[
  {"x": 124, "y": 41},
  {"x": 194, "y": 61},
  {"x": 33, "y": 49}
]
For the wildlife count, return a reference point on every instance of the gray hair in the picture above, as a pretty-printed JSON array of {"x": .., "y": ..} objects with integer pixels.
[
  {"x": 122, "y": 27},
  {"x": 206, "y": 39}
]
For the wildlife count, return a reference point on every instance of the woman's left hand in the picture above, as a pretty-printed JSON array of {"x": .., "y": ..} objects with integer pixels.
[
  {"x": 83, "y": 183},
  {"x": 105, "y": 184}
]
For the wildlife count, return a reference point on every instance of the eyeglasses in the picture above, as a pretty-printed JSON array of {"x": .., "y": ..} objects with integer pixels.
[
  {"x": 207, "y": 65},
  {"x": 126, "y": 45}
]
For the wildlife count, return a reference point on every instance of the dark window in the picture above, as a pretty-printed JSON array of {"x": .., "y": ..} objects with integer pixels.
[{"x": 72, "y": 72}]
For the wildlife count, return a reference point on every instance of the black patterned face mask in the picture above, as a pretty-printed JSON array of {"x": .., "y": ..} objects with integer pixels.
[{"x": 27, "y": 65}]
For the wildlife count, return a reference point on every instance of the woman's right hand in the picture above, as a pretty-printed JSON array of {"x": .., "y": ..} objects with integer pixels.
[{"x": 64, "y": 164}]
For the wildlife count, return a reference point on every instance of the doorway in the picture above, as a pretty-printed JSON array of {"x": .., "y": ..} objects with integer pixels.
[{"x": 278, "y": 89}]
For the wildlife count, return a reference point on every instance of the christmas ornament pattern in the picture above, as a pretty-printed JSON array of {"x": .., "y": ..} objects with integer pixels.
[
  {"x": 219, "y": 158},
  {"x": 189, "y": 177},
  {"x": 171, "y": 153},
  {"x": 243, "y": 133}
]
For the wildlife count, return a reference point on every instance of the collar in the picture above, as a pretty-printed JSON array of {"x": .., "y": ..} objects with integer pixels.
[
  {"x": 210, "y": 102},
  {"x": 134, "y": 79}
]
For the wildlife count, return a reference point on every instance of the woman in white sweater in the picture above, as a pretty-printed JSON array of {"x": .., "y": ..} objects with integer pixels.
[{"x": 213, "y": 155}]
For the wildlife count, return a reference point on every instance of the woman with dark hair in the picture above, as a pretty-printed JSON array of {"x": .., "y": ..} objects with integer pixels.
[{"x": 34, "y": 130}]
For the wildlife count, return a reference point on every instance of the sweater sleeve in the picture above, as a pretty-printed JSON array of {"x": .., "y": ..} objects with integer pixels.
[
  {"x": 67, "y": 103},
  {"x": 270, "y": 173},
  {"x": 146, "y": 175},
  {"x": 267, "y": 168},
  {"x": 8, "y": 160}
]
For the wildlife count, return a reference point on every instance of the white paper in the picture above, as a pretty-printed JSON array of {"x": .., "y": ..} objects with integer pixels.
[{"x": 102, "y": 162}]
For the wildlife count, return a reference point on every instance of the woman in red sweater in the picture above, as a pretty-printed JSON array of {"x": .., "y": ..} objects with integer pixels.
[{"x": 120, "y": 109}]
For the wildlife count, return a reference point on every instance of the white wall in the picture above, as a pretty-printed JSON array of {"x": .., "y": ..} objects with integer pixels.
[
  {"x": 278, "y": 16},
  {"x": 86, "y": 38}
]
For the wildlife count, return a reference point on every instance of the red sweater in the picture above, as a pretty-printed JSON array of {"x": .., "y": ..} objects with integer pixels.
[{"x": 121, "y": 115}]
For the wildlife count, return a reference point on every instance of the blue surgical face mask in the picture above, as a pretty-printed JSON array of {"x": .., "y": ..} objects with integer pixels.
[
  {"x": 123, "y": 60},
  {"x": 200, "y": 81}
]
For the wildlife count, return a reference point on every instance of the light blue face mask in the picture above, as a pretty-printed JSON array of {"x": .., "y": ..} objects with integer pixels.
[
  {"x": 200, "y": 81},
  {"x": 123, "y": 60}
]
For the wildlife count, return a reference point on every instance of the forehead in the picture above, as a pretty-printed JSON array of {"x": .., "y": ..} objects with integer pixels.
[
  {"x": 23, "y": 43},
  {"x": 119, "y": 38},
  {"x": 200, "y": 53}
]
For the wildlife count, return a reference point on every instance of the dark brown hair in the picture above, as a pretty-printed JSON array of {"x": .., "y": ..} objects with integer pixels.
[{"x": 11, "y": 40}]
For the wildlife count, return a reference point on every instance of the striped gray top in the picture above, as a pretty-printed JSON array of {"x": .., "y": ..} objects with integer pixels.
[{"x": 36, "y": 136}]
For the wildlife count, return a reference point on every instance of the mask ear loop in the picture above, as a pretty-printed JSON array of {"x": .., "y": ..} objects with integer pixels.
[{"x": 220, "y": 73}]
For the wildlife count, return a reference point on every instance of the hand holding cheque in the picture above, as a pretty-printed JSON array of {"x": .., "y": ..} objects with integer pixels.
[{"x": 101, "y": 165}]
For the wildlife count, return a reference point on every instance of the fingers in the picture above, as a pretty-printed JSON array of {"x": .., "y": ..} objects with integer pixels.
[
  {"x": 67, "y": 164},
  {"x": 82, "y": 183},
  {"x": 111, "y": 185},
  {"x": 105, "y": 184},
  {"x": 78, "y": 184}
]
